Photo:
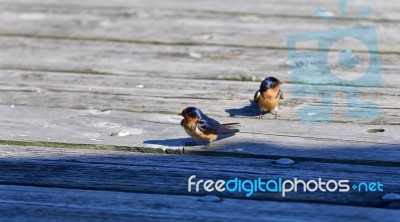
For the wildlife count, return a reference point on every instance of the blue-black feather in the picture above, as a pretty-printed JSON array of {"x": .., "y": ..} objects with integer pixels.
[
  {"x": 207, "y": 124},
  {"x": 268, "y": 83}
]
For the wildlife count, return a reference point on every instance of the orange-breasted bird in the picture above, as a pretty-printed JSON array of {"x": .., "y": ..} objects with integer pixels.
[
  {"x": 268, "y": 96},
  {"x": 200, "y": 126}
]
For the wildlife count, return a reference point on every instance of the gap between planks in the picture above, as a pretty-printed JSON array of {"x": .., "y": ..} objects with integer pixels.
[{"x": 189, "y": 152}]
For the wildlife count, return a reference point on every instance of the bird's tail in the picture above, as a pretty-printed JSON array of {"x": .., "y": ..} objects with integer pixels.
[
  {"x": 226, "y": 128},
  {"x": 230, "y": 124}
]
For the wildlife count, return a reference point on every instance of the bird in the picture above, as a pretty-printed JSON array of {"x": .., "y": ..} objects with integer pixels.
[
  {"x": 268, "y": 96},
  {"x": 200, "y": 126}
]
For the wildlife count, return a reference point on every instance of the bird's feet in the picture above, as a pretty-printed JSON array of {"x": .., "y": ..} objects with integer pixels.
[
  {"x": 209, "y": 144},
  {"x": 275, "y": 114},
  {"x": 261, "y": 116}
]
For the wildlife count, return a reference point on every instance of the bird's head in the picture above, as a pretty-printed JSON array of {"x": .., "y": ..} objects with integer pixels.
[
  {"x": 269, "y": 83},
  {"x": 191, "y": 113}
]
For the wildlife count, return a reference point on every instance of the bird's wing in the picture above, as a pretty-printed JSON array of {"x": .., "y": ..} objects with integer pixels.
[
  {"x": 208, "y": 125},
  {"x": 257, "y": 95}
]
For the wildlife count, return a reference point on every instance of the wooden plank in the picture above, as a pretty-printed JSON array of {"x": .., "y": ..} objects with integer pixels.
[
  {"x": 171, "y": 26},
  {"x": 171, "y": 95},
  {"x": 168, "y": 174},
  {"x": 66, "y": 204},
  {"x": 162, "y": 60},
  {"x": 163, "y": 131},
  {"x": 382, "y": 10},
  {"x": 123, "y": 58}
]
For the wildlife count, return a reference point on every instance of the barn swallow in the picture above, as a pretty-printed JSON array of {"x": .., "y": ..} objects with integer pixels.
[
  {"x": 268, "y": 96},
  {"x": 200, "y": 126}
]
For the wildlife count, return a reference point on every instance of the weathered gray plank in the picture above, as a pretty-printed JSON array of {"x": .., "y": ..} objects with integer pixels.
[
  {"x": 146, "y": 22},
  {"x": 287, "y": 8},
  {"x": 43, "y": 204},
  {"x": 171, "y": 26},
  {"x": 123, "y": 58},
  {"x": 161, "y": 60},
  {"x": 171, "y": 95},
  {"x": 136, "y": 172},
  {"x": 151, "y": 130}
]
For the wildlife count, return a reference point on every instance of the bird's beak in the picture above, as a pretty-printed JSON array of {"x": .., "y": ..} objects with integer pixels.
[{"x": 180, "y": 114}]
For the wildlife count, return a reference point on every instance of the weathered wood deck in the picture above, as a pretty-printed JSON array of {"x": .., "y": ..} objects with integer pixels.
[{"x": 90, "y": 91}]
